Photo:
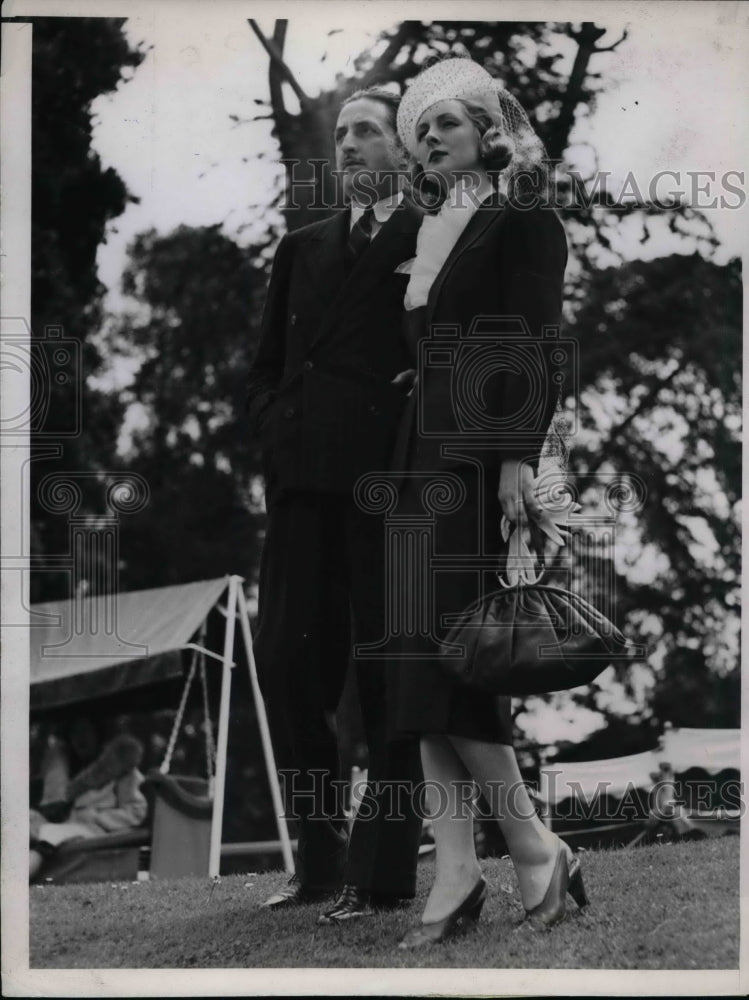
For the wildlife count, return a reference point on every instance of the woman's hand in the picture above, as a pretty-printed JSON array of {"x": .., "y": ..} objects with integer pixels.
[
  {"x": 518, "y": 501},
  {"x": 516, "y": 495}
]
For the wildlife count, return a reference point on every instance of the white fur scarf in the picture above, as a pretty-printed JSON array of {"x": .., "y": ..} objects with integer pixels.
[{"x": 437, "y": 235}]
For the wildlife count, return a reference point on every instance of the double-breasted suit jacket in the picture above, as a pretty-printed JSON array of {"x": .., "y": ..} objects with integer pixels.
[{"x": 320, "y": 392}]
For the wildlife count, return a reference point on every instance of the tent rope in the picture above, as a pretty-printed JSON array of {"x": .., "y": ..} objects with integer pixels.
[
  {"x": 198, "y": 659},
  {"x": 167, "y": 762}
]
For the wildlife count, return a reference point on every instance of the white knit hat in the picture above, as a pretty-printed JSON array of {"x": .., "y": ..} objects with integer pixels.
[{"x": 448, "y": 80}]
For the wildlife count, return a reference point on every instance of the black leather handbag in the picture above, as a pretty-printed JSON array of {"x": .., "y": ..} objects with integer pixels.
[{"x": 530, "y": 638}]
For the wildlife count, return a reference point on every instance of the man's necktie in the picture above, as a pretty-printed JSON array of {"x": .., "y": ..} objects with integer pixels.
[{"x": 358, "y": 239}]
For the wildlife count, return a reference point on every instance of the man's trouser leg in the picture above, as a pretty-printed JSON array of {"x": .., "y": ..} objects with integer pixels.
[
  {"x": 301, "y": 650},
  {"x": 384, "y": 843}
]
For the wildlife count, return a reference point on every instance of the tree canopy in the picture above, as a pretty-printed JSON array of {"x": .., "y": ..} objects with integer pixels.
[
  {"x": 197, "y": 300},
  {"x": 73, "y": 198}
]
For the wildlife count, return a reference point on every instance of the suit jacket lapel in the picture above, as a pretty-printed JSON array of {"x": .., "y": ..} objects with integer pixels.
[
  {"x": 393, "y": 244},
  {"x": 323, "y": 256},
  {"x": 383, "y": 255},
  {"x": 482, "y": 218}
]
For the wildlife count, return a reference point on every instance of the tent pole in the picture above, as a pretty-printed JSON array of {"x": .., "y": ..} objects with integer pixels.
[
  {"x": 270, "y": 760},
  {"x": 214, "y": 858}
]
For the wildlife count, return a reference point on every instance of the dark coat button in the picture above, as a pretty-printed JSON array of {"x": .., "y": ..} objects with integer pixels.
[
  {"x": 309, "y": 365},
  {"x": 289, "y": 411}
]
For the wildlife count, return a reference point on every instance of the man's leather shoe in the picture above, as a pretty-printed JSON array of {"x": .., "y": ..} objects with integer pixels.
[
  {"x": 350, "y": 904},
  {"x": 294, "y": 894}
]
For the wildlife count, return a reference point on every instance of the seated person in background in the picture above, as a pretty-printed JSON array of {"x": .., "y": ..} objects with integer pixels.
[{"x": 104, "y": 797}]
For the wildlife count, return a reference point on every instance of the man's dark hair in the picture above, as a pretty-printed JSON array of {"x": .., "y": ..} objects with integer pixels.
[{"x": 385, "y": 97}]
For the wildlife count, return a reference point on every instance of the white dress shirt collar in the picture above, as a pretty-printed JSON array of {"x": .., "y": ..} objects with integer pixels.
[{"x": 383, "y": 209}]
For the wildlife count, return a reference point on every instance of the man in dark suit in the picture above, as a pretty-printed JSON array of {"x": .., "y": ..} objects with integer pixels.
[{"x": 325, "y": 401}]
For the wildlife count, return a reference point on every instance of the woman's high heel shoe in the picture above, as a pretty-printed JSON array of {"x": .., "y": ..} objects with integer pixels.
[
  {"x": 440, "y": 930},
  {"x": 575, "y": 885},
  {"x": 565, "y": 879}
]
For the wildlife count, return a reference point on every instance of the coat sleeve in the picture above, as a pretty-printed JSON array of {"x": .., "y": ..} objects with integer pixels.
[
  {"x": 268, "y": 365},
  {"x": 531, "y": 287}
]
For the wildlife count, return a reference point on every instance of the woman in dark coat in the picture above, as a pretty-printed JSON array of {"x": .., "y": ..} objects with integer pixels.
[{"x": 483, "y": 310}]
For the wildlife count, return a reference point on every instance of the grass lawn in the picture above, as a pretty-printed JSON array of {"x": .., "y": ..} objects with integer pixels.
[{"x": 669, "y": 906}]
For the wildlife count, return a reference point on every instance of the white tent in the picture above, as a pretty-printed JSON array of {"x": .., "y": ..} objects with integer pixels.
[
  {"x": 91, "y": 647},
  {"x": 713, "y": 750},
  {"x": 588, "y": 779}
]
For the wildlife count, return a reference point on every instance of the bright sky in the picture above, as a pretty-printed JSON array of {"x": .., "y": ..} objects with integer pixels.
[{"x": 672, "y": 103}]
